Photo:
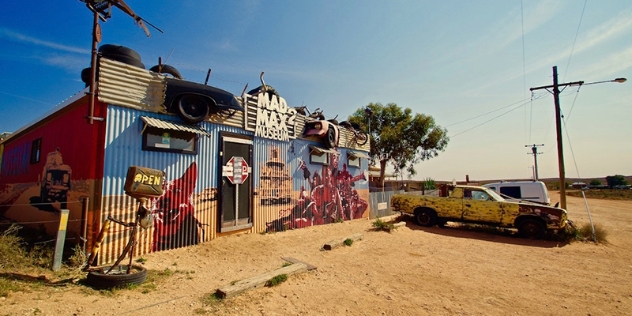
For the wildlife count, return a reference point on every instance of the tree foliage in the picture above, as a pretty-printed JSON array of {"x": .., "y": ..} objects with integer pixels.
[
  {"x": 616, "y": 180},
  {"x": 595, "y": 182},
  {"x": 399, "y": 136}
]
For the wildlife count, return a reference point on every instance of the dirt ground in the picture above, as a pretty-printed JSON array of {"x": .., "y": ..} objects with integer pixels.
[{"x": 411, "y": 271}]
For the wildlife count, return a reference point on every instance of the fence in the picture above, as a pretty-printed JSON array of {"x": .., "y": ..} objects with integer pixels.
[{"x": 380, "y": 201}]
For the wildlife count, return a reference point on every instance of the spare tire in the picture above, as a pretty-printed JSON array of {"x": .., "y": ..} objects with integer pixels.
[
  {"x": 126, "y": 60},
  {"x": 118, "y": 277},
  {"x": 86, "y": 75},
  {"x": 111, "y": 49},
  {"x": 122, "y": 54},
  {"x": 166, "y": 69}
]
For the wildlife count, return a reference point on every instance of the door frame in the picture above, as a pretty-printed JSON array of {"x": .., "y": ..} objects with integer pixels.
[{"x": 226, "y": 137}]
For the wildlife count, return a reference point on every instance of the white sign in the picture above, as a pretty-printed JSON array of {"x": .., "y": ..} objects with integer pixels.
[{"x": 274, "y": 117}]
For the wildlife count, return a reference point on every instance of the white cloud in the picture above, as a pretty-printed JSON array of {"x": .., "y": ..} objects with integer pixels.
[{"x": 11, "y": 35}]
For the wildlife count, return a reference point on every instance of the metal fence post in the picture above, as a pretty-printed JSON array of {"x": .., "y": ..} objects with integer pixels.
[{"x": 61, "y": 238}]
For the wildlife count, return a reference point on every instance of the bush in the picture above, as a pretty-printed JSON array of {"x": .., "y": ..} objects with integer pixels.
[
  {"x": 379, "y": 224},
  {"x": 585, "y": 232},
  {"x": 12, "y": 253}
]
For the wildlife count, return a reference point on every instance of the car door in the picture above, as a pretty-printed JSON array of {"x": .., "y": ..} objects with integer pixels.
[{"x": 478, "y": 206}]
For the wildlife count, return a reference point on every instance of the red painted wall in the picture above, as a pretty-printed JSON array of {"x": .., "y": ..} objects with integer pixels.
[{"x": 76, "y": 151}]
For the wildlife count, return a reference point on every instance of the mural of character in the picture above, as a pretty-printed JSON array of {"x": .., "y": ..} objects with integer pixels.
[
  {"x": 54, "y": 184},
  {"x": 175, "y": 224},
  {"x": 331, "y": 198}
]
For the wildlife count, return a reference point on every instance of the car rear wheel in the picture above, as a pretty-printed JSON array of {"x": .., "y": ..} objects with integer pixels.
[
  {"x": 531, "y": 229},
  {"x": 426, "y": 217},
  {"x": 192, "y": 108}
]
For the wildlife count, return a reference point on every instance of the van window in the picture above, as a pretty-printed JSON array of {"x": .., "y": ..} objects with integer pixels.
[{"x": 514, "y": 192}]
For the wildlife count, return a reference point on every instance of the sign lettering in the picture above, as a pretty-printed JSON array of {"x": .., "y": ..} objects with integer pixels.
[{"x": 274, "y": 117}]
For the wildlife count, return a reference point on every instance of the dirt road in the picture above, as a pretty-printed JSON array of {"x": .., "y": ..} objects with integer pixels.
[{"x": 411, "y": 271}]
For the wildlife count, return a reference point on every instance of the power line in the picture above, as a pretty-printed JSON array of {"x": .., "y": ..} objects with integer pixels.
[
  {"x": 575, "y": 40},
  {"x": 493, "y": 118}
]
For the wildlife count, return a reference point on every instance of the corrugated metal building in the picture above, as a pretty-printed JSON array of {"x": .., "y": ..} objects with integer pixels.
[{"x": 247, "y": 171}]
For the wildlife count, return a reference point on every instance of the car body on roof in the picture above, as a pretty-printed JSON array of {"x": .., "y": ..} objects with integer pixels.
[{"x": 193, "y": 102}]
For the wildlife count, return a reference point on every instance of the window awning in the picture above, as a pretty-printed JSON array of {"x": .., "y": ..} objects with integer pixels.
[
  {"x": 158, "y": 123},
  {"x": 320, "y": 150},
  {"x": 357, "y": 154}
]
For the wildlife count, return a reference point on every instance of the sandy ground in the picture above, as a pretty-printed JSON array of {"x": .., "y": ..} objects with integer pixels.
[{"x": 411, "y": 271}]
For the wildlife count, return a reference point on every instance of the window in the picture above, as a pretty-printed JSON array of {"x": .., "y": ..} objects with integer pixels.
[
  {"x": 156, "y": 139},
  {"x": 159, "y": 135},
  {"x": 36, "y": 150},
  {"x": 319, "y": 155},
  {"x": 353, "y": 158},
  {"x": 511, "y": 191},
  {"x": 353, "y": 161}
]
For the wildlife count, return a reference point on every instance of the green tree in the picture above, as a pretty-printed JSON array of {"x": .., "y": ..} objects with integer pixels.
[
  {"x": 595, "y": 182},
  {"x": 616, "y": 180},
  {"x": 400, "y": 137}
]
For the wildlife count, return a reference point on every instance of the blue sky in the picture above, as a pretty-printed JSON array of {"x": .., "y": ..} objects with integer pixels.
[{"x": 469, "y": 64}]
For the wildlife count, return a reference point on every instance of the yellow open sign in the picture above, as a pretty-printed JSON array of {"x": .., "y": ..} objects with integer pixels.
[{"x": 144, "y": 182}]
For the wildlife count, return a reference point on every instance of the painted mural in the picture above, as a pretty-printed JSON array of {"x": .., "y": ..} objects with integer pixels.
[
  {"x": 175, "y": 224},
  {"x": 54, "y": 183},
  {"x": 327, "y": 194},
  {"x": 43, "y": 171}
]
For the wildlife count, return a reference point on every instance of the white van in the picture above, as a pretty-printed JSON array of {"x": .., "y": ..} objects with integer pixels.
[{"x": 523, "y": 190}]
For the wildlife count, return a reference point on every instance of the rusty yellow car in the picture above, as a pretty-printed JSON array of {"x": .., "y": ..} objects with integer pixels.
[{"x": 480, "y": 205}]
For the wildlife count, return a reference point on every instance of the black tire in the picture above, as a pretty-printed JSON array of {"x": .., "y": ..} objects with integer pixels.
[
  {"x": 192, "y": 108},
  {"x": 118, "y": 277},
  {"x": 361, "y": 137},
  {"x": 126, "y": 60},
  {"x": 531, "y": 229},
  {"x": 166, "y": 69},
  {"x": 330, "y": 138},
  {"x": 426, "y": 217},
  {"x": 111, "y": 49},
  {"x": 86, "y": 75}
]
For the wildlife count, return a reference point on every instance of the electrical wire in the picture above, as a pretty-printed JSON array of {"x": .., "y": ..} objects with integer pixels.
[
  {"x": 575, "y": 40},
  {"x": 490, "y": 112},
  {"x": 570, "y": 146},
  {"x": 493, "y": 118},
  {"x": 572, "y": 106}
]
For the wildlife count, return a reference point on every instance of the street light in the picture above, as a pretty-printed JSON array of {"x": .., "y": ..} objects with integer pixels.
[{"x": 558, "y": 124}]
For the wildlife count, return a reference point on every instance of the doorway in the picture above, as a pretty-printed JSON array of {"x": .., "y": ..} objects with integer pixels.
[{"x": 236, "y": 184}]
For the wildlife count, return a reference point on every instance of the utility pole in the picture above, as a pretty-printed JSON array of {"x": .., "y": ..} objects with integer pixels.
[
  {"x": 558, "y": 124},
  {"x": 535, "y": 153}
]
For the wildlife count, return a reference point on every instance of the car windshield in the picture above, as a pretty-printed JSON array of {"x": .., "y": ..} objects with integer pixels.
[{"x": 494, "y": 195}]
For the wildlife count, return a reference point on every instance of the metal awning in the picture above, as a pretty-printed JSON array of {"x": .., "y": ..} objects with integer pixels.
[
  {"x": 320, "y": 150},
  {"x": 158, "y": 123},
  {"x": 358, "y": 154}
]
